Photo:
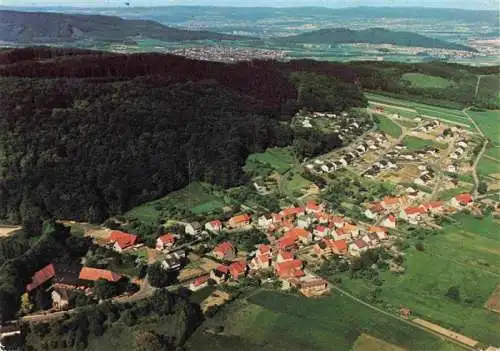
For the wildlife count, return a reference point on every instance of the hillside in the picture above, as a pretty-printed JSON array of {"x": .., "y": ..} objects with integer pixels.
[
  {"x": 135, "y": 128},
  {"x": 46, "y": 27},
  {"x": 372, "y": 35}
]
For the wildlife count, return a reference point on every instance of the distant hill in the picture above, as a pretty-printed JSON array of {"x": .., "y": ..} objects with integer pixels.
[
  {"x": 47, "y": 27},
  {"x": 371, "y": 35}
]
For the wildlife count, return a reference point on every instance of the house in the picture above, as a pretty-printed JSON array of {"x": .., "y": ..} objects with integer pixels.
[
  {"x": 199, "y": 282},
  {"x": 287, "y": 244},
  {"x": 299, "y": 234},
  {"x": 214, "y": 226},
  {"x": 371, "y": 239},
  {"x": 327, "y": 247},
  {"x": 193, "y": 228},
  {"x": 219, "y": 274},
  {"x": 381, "y": 232},
  {"x": 341, "y": 234},
  {"x": 239, "y": 221},
  {"x": 94, "y": 274},
  {"x": 285, "y": 256},
  {"x": 451, "y": 169},
  {"x": 238, "y": 269},
  {"x": 321, "y": 231},
  {"x": 357, "y": 247},
  {"x": 434, "y": 207},
  {"x": 276, "y": 218},
  {"x": 337, "y": 221},
  {"x": 322, "y": 218},
  {"x": 171, "y": 262},
  {"x": 462, "y": 200},
  {"x": 374, "y": 210},
  {"x": 353, "y": 229},
  {"x": 261, "y": 261},
  {"x": 314, "y": 287},
  {"x": 289, "y": 269},
  {"x": 313, "y": 207},
  {"x": 264, "y": 221},
  {"x": 412, "y": 214},
  {"x": 41, "y": 277},
  {"x": 165, "y": 241},
  {"x": 389, "y": 222},
  {"x": 412, "y": 193},
  {"x": 60, "y": 298},
  {"x": 292, "y": 212},
  {"x": 305, "y": 221},
  {"x": 224, "y": 251},
  {"x": 390, "y": 202},
  {"x": 121, "y": 240}
]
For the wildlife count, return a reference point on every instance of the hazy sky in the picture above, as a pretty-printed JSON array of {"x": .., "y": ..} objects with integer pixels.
[{"x": 465, "y": 4}]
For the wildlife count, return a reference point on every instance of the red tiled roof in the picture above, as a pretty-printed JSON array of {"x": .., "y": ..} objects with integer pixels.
[
  {"x": 337, "y": 219},
  {"x": 237, "y": 268},
  {"x": 435, "y": 204},
  {"x": 286, "y": 256},
  {"x": 312, "y": 205},
  {"x": 390, "y": 200},
  {"x": 321, "y": 228},
  {"x": 413, "y": 210},
  {"x": 391, "y": 218},
  {"x": 292, "y": 211},
  {"x": 40, "y": 277},
  {"x": 123, "y": 239},
  {"x": 240, "y": 219},
  {"x": 297, "y": 232},
  {"x": 376, "y": 207},
  {"x": 464, "y": 198},
  {"x": 376, "y": 229},
  {"x": 88, "y": 273},
  {"x": 201, "y": 280},
  {"x": 222, "y": 268},
  {"x": 264, "y": 248},
  {"x": 264, "y": 258},
  {"x": 224, "y": 247},
  {"x": 289, "y": 269},
  {"x": 286, "y": 242},
  {"x": 167, "y": 238},
  {"x": 216, "y": 223},
  {"x": 277, "y": 217},
  {"x": 341, "y": 245}
]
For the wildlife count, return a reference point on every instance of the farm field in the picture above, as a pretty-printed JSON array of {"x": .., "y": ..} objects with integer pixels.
[
  {"x": 389, "y": 127},
  {"x": 464, "y": 252},
  {"x": 414, "y": 143},
  {"x": 368, "y": 343},
  {"x": 488, "y": 122},
  {"x": 290, "y": 186},
  {"x": 279, "y": 159},
  {"x": 425, "y": 81},
  {"x": 493, "y": 152},
  {"x": 197, "y": 197},
  {"x": 416, "y": 109},
  {"x": 489, "y": 167},
  {"x": 275, "y": 321},
  {"x": 489, "y": 89}
]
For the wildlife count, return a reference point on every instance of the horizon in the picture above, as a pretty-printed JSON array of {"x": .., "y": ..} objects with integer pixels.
[{"x": 484, "y": 5}]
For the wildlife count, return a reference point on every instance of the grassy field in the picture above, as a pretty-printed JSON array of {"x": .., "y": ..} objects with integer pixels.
[
  {"x": 489, "y": 88},
  {"x": 274, "y": 321},
  {"x": 425, "y": 81},
  {"x": 489, "y": 167},
  {"x": 489, "y": 122},
  {"x": 388, "y": 126},
  {"x": 368, "y": 343},
  {"x": 443, "y": 114},
  {"x": 414, "y": 143},
  {"x": 493, "y": 152},
  {"x": 465, "y": 254},
  {"x": 196, "y": 197},
  {"x": 290, "y": 186},
  {"x": 449, "y": 193},
  {"x": 280, "y": 159}
]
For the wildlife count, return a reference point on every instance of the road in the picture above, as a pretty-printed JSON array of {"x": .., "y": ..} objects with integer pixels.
[{"x": 480, "y": 154}]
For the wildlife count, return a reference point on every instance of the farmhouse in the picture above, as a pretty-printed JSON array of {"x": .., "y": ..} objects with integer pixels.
[
  {"x": 193, "y": 228},
  {"x": 287, "y": 244},
  {"x": 121, "y": 240},
  {"x": 40, "y": 277},
  {"x": 289, "y": 269},
  {"x": 214, "y": 226},
  {"x": 262, "y": 257},
  {"x": 326, "y": 247},
  {"x": 60, "y": 298},
  {"x": 321, "y": 231},
  {"x": 375, "y": 210},
  {"x": 313, "y": 287},
  {"x": 299, "y": 234},
  {"x": 412, "y": 214},
  {"x": 313, "y": 207},
  {"x": 357, "y": 247},
  {"x": 390, "y": 202},
  {"x": 224, "y": 251},
  {"x": 434, "y": 207},
  {"x": 165, "y": 241},
  {"x": 56, "y": 273},
  {"x": 239, "y": 221}
]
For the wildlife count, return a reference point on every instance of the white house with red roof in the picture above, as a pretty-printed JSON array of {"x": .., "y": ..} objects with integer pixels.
[
  {"x": 214, "y": 226},
  {"x": 239, "y": 221},
  {"x": 300, "y": 234},
  {"x": 341, "y": 234},
  {"x": 219, "y": 274},
  {"x": 313, "y": 207},
  {"x": 291, "y": 212},
  {"x": 289, "y": 269},
  {"x": 462, "y": 201},
  {"x": 285, "y": 256},
  {"x": 166, "y": 241},
  {"x": 287, "y": 244},
  {"x": 357, "y": 247},
  {"x": 381, "y": 232},
  {"x": 262, "y": 259},
  {"x": 321, "y": 231},
  {"x": 389, "y": 221},
  {"x": 337, "y": 221},
  {"x": 224, "y": 251},
  {"x": 374, "y": 211},
  {"x": 412, "y": 214},
  {"x": 390, "y": 202},
  {"x": 434, "y": 207},
  {"x": 327, "y": 246},
  {"x": 121, "y": 240},
  {"x": 238, "y": 269},
  {"x": 199, "y": 282}
]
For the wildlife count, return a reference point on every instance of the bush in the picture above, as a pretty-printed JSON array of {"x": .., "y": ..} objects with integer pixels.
[
  {"x": 453, "y": 293},
  {"x": 419, "y": 246}
]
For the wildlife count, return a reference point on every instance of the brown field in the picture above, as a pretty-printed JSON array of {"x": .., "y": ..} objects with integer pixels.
[
  {"x": 207, "y": 264},
  {"x": 367, "y": 342},
  {"x": 406, "y": 174},
  {"x": 493, "y": 303},
  {"x": 7, "y": 230},
  {"x": 218, "y": 297}
]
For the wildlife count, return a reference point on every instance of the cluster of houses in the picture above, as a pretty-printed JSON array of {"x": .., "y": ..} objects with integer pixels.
[
  {"x": 459, "y": 151},
  {"x": 403, "y": 207},
  {"x": 425, "y": 177},
  {"x": 426, "y": 127},
  {"x": 374, "y": 142}
]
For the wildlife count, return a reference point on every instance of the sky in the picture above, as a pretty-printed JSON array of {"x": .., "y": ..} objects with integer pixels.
[{"x": 464, "y": 4}]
